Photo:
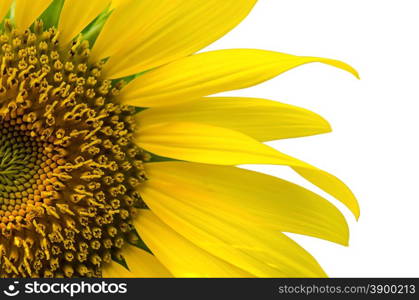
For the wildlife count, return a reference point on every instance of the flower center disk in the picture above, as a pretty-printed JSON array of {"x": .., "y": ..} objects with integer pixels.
[{"x": 68, "y": 166}]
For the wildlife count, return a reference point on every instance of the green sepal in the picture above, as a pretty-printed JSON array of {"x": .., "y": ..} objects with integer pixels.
[
  {"x": 138, "y": 109},
  {"x": 139, "y": 243},
  {"x": 91, "y": 32},
  {"x": 51, "y": 16},
  {"x": 157, "y": 158},
  {"x": 9, "y": 15},
  {"x": 121, "y": 261},
  {"x": 128, "y": 78}
]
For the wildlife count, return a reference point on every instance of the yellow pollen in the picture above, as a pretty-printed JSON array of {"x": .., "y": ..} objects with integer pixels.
[{"x": 68, "y": 165}]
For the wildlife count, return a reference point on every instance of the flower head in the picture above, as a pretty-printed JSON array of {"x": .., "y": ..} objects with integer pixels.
[{"x": 114, "y": 162}]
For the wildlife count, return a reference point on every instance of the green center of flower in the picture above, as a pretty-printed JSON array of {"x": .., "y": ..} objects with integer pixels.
[{"x": 68, "y": 166}]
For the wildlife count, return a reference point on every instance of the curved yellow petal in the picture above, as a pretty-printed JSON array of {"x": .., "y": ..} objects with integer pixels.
[
  {"x": 259, "y": 199},
  {"x": 115, "y": 270},
  {"x": 142, "y": 35},
  {"x": 4, "y": 7},
  {"x": 204, "y": 143},
  {"x": 260, "y": 252},
  {"x": 212, "y": 72},
  {"x": 180, "y": 256},
  {"x": 216, "y": 145},
  {"x": 76, "y": 15},
  {"x": 143, "y": 264},
  {"x": 261, "y": 119},
  {"x": 27, "y": 11}
]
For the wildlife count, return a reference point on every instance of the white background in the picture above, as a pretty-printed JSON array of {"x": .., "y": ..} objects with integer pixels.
[{"x": 373, "y": 146}]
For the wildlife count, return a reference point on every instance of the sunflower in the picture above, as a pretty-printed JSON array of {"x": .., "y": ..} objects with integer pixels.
[{"x": 114, "y": 162}]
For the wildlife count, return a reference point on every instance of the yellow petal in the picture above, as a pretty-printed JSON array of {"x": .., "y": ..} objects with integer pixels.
[
  {"x": 27, "y": 11},
  {"x": 183, "y": 258},
  {"x": 128, "y": 24},
  {"x": 216, "y": 145},
  {"x": 262, "y": 253},
  {"x": 76, "y": 15},
  {"x": 116, "y": 3},
  {"x": 259, "y": 199},
  {"x": 146, "y": 34},
  {"x": 212, "y": 72},
  {"x": 143, "y": 264},
  {"x": 4, "y": 7},
  {"x": 115, "y": 270},
  {"x": 261, "y": 119}
]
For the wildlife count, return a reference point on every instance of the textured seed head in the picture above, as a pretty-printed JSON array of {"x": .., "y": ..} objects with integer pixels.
[{"x": 68, "y": 166}]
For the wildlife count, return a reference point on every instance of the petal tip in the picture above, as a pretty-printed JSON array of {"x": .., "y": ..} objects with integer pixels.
[
  {"x": 326, "y": 126},
  {"x": 336, "y": 63},
  {"x": 355, "y": 209},
  {"x": 344, "y": 66},
  {"x": 356, "y": 212}
]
